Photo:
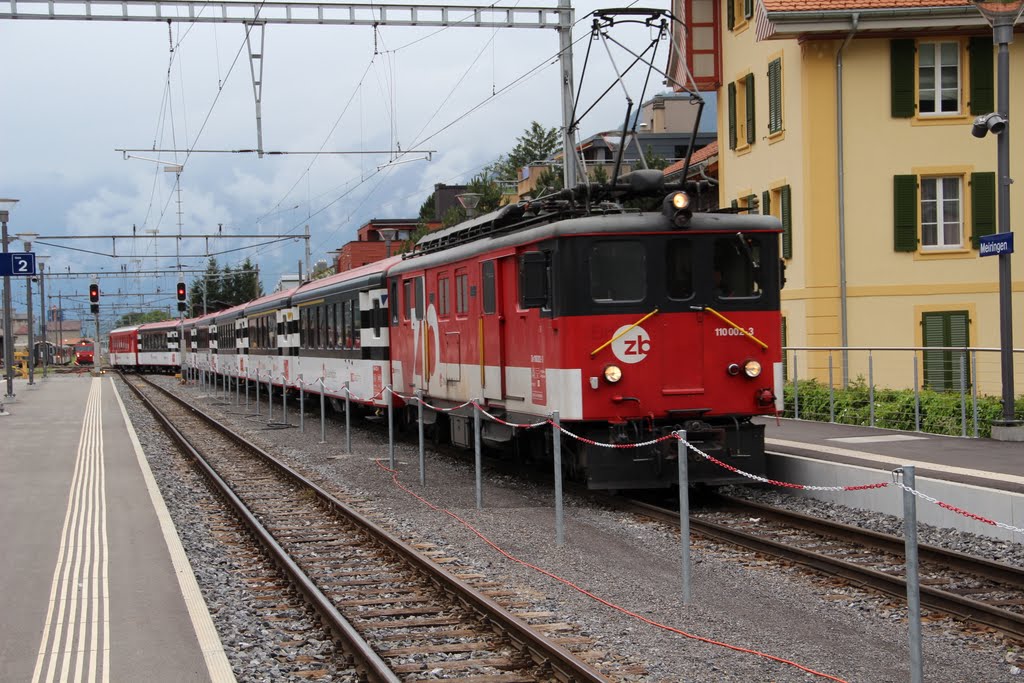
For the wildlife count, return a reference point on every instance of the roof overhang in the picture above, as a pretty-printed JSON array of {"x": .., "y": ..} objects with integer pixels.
[{"x": 802, "y": 24}]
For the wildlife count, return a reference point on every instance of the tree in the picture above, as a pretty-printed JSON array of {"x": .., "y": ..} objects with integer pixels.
[
  {"x": 224, "y": 287},
  {"x": 139, "y": 318},
  {"x": 537, "y": 143}
]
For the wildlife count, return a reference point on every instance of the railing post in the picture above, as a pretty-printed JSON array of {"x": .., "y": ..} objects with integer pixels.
[
  {"x": 796, "y": 388},
  {"x": 284, "y": 402},
  {"x": 917, "y": 397},
  {"x": 257, "y": 392},
  {"x": 302, "y": 406},
  {"x": 974, "y": 389},
  {"x": 831, "y": 391},
  {"x": 871, "y": 387},
  {"x": 270, "y": 397},
  {"x": 963, "y": 393}
]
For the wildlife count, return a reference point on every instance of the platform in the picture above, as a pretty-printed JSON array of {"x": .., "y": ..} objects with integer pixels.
[
  {"x": 96, "y": 584},
  {"x": 983, "y": 476}
]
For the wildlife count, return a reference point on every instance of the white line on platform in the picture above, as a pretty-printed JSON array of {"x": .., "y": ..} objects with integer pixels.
[{"x": 878, "y": 439}]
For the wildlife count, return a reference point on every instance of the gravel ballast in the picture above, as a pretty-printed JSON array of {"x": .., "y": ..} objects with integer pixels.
[{"x": 739, "y": 599}]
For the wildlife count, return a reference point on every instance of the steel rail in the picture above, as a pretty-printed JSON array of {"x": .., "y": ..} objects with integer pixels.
[
  {"x": 564, "y": 665},
  {"x": 367, "y": 659},
  {"x": 964, "y": 608}
]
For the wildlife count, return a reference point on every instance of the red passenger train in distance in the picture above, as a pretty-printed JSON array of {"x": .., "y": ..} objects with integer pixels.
[{"x": 630, "y": 323}]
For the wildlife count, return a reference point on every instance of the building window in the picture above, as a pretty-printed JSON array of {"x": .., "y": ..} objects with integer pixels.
[
  {"x": 739, "y": 12},
  {"x": 938, "y": 78},
  {"x": 775, "y": 96},
  {"x": 779, "y": 203},
  {"x": 742, "y": 131},
  {"x": 946, "y": 369},
  {"x": 941, "y": 213}
]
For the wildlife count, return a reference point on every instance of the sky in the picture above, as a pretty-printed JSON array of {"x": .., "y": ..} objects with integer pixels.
[{"x": 76, "y": 92}]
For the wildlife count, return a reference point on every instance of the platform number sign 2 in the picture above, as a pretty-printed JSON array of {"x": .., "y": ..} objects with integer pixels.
[{"x": 23, "y": 264}]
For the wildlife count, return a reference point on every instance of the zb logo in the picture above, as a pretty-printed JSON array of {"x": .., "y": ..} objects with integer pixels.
[{"x": 633, "y": 346}]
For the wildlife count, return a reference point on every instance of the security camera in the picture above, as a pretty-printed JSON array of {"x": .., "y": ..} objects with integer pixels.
[{"x": 994, "y": 122}]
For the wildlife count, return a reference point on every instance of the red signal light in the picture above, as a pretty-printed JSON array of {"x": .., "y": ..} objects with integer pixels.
[
  {"x": 94, "y": 293},
  {"x": 181, "y": 291}
]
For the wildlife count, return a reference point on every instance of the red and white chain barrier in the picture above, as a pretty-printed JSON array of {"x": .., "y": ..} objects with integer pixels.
[
  {"x": 955, "y": 509},
  {"x": 591, "y": 442}
]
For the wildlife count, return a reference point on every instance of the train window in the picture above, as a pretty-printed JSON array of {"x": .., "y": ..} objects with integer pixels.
[
  {"x": 393, "y": 303},
  {"x": 407, "y": 298},
  {"x": 533, "y": 280},
  {"x": 618, "y": 271},
  {"x": 487, "y": 280},
  {"x": 443, "y": 305},
  {"x": 271, "y": 331},
  {"x": 737, "y": 271},
  {"x": 419, "y": 298},
  {"x": 346, "y": 314},
  {"x": 679, "y": 268},
  {"x": 461, "y": 293},
  {"x": 356, "y": 326}
]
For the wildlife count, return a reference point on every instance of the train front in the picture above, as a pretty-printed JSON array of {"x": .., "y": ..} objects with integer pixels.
[{"x": 678, "y": 328}]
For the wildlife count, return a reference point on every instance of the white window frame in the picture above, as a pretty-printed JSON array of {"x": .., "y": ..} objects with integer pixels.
[
  {"x": 940, "y": 224},
  {"x": 936, "y": 90}
]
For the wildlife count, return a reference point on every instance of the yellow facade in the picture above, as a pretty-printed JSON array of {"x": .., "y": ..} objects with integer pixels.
[{"x": 887, "y": 291}]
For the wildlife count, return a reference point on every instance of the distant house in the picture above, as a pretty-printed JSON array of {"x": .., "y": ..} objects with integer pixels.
[{"x": 851, "y": 121}]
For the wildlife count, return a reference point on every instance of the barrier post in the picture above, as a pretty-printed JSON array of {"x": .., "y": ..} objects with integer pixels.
[
  {"x": 348, "y": 422},
  {"x": 391, "y": 426},
  {"x": 238, "y": 381},
  {"x": 323, "y": 411},
  {"x": 257, "y": 392},
  {"x": 423, "y": 459},
  {"x": 270, "y": 397},
  {"x": 684, "y": 513},
  {"x": 302, "y": 406},
  {"x": 556, "y": 445},
  {"x": 284, "y": 402},
  {"x": 974, "y": 389},
  {"x": 796, "y": 388},
  {"x": 913, "y": 587},
  {"x": 477, "y": 464}
]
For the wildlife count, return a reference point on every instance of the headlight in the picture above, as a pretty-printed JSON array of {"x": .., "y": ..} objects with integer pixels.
[
  {"x": 613, "y": 373},
  {"x": 752, "y": 368},
  {"x": 680, "y": 200}
]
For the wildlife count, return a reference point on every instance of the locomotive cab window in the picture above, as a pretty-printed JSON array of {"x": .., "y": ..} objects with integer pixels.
[
  {"x": 679, "y": 268},
  {"x": 737, "y": 268},
  {"x": 618, "y": 271},
  {"x": 487, "y": 279}
]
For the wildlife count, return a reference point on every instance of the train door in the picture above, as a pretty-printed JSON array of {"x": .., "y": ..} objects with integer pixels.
[
  {"x": 417, "y": 365},
  {"x": 677, "y": 339},
  {"x": 491, "y": 333}
]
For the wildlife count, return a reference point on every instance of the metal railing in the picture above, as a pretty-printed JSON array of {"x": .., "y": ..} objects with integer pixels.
[{"x": 937, "y": 389}]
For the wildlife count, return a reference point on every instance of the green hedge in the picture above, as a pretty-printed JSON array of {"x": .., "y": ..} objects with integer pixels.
[{"x": 941, "y": 412}]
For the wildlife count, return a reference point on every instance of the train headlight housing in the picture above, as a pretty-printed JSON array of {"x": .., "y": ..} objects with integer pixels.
[
  {"x": 752, "y": 368},
  {"x": 676, "y": 207},
  {"x": 612, "y": 373}
]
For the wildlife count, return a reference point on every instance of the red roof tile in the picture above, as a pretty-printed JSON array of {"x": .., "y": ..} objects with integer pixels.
[{"x": 700, "y": 155}]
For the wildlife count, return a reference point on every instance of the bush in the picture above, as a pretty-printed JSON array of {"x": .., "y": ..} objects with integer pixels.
[{"x": 940, "y": 412}]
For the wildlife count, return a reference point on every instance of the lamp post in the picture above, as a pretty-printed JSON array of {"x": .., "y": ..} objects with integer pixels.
[
  {"x": 5, "y": 211},
  {"x": 1001, "y": 16},
  {"x": 27, "y": 238},
  {"x": 469, "y": 201},
  {"x": 41, "y": 260},
  {"x": 388, "y": 234}
]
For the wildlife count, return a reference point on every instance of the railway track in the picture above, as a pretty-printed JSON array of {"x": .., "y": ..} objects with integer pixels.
[
  {"x": 396, "y": 611},
  {"x": 969, "y": 588}
]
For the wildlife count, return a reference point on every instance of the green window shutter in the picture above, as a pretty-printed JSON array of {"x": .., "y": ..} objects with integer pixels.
[
  {"x": 732, "y": 115},
  {"x": 748, "y": 8},
  {"x": 735, "y": 204},
  {"x": 982, "y": 87},
  {"x": 766, "y": 203},
  {"x": 983, "y": 205},
  {"x": 730, "y": 13},
  {"x": 775, "y": 96},
  {"x": 751, "y": 204},
  {"x": 942, "y": 371},
  {"x": 904, "y": 213},
  {"x": 751, "y": 130},
  {"x": 786, "y": 210},
  {"x": 904, "y": 89}
]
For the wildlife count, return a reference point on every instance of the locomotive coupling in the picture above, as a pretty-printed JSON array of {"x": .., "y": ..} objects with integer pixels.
[{"x": 765, "y": 397}]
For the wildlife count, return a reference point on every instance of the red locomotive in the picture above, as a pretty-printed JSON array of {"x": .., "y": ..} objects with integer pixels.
[{"x": 84, "y": 352}]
